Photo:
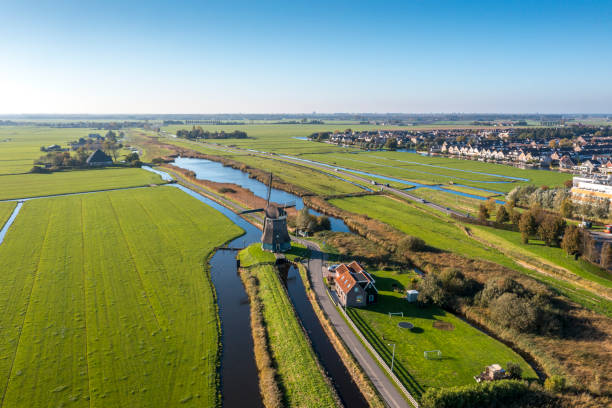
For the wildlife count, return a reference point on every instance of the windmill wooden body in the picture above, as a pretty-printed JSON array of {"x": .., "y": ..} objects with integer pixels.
[{"x": 275, "y": 236}]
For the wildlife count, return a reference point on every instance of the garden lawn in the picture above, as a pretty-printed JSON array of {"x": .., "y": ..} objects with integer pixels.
[
  {"x": 106, "y": 301},
  {"x": 300, "y": 376},
  {"x": 465, "y": 350},
  {"x": 76, "y": 181}
]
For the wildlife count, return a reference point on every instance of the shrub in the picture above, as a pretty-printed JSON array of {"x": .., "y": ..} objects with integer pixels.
[
  {"x": 605, "y": 260},
  {"x": 39, "y": 170},
  {"x": 554, "y": 383},
  {"x": 225, "y": 190},
  {"x": 514, "y": 371},
  {"x": 157, "y": 160},
  {"x": 514, "y": 312},
  {"x": 411, "y": 244},
  {"x": 497, "y": 393}
]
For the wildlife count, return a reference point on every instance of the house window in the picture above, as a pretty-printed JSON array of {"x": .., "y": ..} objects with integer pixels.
[
  {"x": 370, "y": 298},
  {"x": 359, "y": 299}
]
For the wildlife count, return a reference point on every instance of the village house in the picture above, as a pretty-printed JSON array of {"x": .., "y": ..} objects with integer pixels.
[{"x": 354, "y": 286}]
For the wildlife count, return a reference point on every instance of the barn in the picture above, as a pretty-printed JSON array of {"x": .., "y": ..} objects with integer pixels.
[{"x": 99, "y": 159}]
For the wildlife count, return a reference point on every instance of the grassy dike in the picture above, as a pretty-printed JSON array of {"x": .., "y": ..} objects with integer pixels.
[{"x": 289, "y": 372}]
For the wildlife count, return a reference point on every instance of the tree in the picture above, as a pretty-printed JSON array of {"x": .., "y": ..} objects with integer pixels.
[
  {"x": 502, "y": 215},
  {"x": 589, "y": 246},
  {"x": 527, "y": 226},
  {"x": 515, "y": 217},
  {"x": 551, "y": 229},
  {"x": 605, "y": 259},
  {"x": 483, "y": 212},
  {"x": 431, "y": 291},
  {"x": 514, "y": 371},
  {"x": 514, "y": 312},
  {"x": 572, "y": 240},
  {"x": 303, "y": 219},
  {"x": 566, "y": 208},
  {"x": 491, "y": 206}
]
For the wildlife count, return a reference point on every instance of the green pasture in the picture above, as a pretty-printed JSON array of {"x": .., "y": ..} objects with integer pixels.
[
  {"x": 437, "y": 231},
  {"x": 555, "y": 255},
  {"x": 465, "y": 350},
  {"x": 20, "y": 145},
  {"x": 441, "y": 170},
  {"x": 302, "y": 381},
  {"x": 75, "y": 181},
  {"x": 450, "y": 200},
  {"x": 106, "y": 301},
  {"x": 5, "y": 211}
]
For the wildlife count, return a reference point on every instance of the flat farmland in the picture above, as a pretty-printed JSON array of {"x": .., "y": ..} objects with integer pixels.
[
  {"x": 20, "y": 145},
  {"x": 5, "y": 212},
  {"x": 106, "y": 301},
  {"x": 414, "y": 167},
  {"x": 75, "y": 181}
]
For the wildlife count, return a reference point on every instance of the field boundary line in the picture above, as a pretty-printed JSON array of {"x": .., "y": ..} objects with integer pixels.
[
  {"x": 380, "y": 360},
  {"x": 25, "y": 315},
  {"x": 132, "y": 261},
  {"x": 85, "y": 299}
]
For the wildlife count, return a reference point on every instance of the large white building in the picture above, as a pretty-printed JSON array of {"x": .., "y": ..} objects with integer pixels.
[{"x": 589, "y": 190}]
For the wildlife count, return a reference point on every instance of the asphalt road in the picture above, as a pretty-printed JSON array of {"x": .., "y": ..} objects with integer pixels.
[{"x": 391, "y": 396}]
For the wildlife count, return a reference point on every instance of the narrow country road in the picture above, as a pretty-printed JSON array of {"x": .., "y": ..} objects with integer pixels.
[{"x": 392, "y": 397}]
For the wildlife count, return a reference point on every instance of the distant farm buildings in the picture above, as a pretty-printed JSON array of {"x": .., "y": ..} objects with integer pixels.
[
  {"x": 354, "y": 286},
  {"x": 99, "y": 159}
]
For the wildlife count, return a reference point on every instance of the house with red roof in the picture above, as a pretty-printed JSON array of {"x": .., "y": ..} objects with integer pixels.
[{"x": 354, "y": 286}]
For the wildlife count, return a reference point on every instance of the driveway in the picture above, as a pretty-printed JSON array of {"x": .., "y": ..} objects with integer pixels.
[{"x": 391, "y": 396}]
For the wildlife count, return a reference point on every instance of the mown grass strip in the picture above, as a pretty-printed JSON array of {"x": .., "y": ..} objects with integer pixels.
[
  {"x": 123, "y": 312},
  {"x": 301, "y": 378}
]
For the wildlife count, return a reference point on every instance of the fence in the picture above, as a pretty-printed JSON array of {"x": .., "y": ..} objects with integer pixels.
[{"x": 382, "y": 362}]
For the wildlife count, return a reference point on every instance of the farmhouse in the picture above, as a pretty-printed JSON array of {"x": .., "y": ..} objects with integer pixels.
[
  {"x": 354, "y": 286},
  {"x": 98, "y": 159}
]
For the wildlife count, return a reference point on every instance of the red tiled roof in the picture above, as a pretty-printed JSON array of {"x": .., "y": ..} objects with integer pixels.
[{"x": 345, "y": 280}]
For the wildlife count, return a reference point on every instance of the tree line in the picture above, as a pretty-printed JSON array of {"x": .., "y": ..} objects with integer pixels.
[{"x": 198, "y": 133}]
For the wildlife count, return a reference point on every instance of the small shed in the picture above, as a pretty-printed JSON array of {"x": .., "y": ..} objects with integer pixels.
[
  {"x": 491, "y": 373},
  {"x": 412, "y": 295}
]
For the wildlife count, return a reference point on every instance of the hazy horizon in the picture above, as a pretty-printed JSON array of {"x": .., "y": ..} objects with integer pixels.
[{"x": 194, "y": 58}]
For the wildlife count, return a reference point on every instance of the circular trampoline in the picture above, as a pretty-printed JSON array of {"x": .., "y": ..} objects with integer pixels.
[{"x": 405, "y": 325}]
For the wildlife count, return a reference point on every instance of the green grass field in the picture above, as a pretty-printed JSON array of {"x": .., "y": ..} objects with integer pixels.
[
  {"x": 436, "y": 231},
  {"x": 5, "y": 212},
  {"x": 20, "y": 145},
  {"x": 450, "y": 200},
  {"x": 512, "y": 240},
  {"x": 414, "y": 167},
  {"x": 465, "y": 350},
  {"x": 76, "y": 181},
  {"x": 107, "y": 302},
  {"x": 301, "y": 378}
]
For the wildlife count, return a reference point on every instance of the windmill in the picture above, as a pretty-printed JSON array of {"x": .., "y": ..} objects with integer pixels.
[{"x": 275, "y": 236}]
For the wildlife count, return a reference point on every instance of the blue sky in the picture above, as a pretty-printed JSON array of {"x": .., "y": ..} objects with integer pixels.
[{"x": 304, "y": 56}]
